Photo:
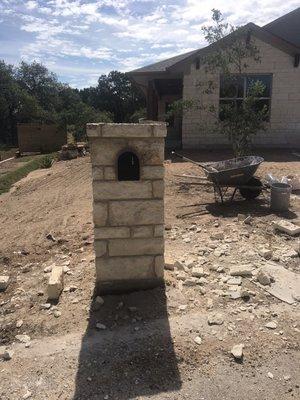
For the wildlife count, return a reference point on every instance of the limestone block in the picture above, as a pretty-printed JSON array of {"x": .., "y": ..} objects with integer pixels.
[
  {"x": 152, "y": 172},
  {"x": 159, "y": 266},
  {"x": 127, "y": 130},
  {"x": 104, "y": 150},
  {"x": 135, "y": 247},
  {"x": 142, "y": 231},
  {"x": 93, "y": 130},
  {"x": 160, "y": 130},
  {"x": 113, "y": 232},
  {"x": 97, "y": 173},
  {"x": 143, "y": 212},
  {"x": 100, "y": 214},
  {"x": 100, "y": 247},
  {"x": 150, "y": 151},
  {"x": 158, "y": 189},
  {"x": 110, "y": 173},
  {"x": 159, "y": 230},
  {"x": 115, "y": 190},
  {"x": 119, "y": 268},
  {"x": 55, "y": 284},
  {"x": 4, "y": 281}
]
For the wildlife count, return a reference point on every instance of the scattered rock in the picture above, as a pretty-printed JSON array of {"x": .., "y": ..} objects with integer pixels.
[
  {"x": 248, "y": 220},
  {"x": 237, "y": 351},
  {"x": 215, "y": 319},
  {"x": 265, "y": 253},
  {"x": 198, "y": 340},
  {"x": 100, "y": 327},
  {"x": 169, "y": 264},
  {"x": 23, "y": 338},
  {"x": 190, "y": 282},
  {"x": 217, "y": 236},
  {"x": 45, "y": 306},
  {"x": 27, "y": 395},
  {"x": 235, "y": 280},
  {"x": 55, "y": 284},
  {"x": 49, "y": 236},
  {"x": 19, "y": 323},
  {"x": 241, "y": 270},
  {"x": 197, "y": 272},
  {"x": 48, "y": 269},
  {"x": 4, "y": 281},
  {"x": 5, "y": 354},
  {"x": 270, "y": 375},
  {"x": 263, "y": 278},
  {"x": 271, "y": 325},
  {"x": 57, "y": 313},
  {"x": 97, "y": 303},
  {"x": 179, "y": 266},
  {"x": 183, "y": 307},
  {"x": 287, "y": 227}
]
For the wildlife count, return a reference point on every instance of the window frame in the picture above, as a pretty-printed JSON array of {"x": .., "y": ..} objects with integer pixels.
[{"x": 245, "y": 77}]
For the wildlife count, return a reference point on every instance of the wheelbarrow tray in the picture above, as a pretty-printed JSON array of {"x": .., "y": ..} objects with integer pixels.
[{"x": 234, "y": 172}]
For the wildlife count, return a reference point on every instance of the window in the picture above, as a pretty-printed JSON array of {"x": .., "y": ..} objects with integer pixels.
[
  {"x": 128, "y": 167},
  {"x": 234, "y": 89}
]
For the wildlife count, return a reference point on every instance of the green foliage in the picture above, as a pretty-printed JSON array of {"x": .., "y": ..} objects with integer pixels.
[
  {"x": 31, "y": 93},
  {"x": 116, "y": 94},
  {"x": 7, "y": 180},
  {"x": 241, "y": 124},
  {"x": 228, "y": 56},
  {"x": 138, "y": 114},
  {"x": 47, "y": 161}
]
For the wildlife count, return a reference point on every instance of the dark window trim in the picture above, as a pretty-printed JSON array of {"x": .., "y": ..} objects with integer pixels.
[{"x": 245, "y": 76}]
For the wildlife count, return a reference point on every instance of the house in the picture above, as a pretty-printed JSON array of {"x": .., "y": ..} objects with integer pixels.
[{"x": 279, "y": 68}]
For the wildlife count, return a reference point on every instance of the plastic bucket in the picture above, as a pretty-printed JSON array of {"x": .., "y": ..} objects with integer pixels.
[{"x": 280, "y": 196}]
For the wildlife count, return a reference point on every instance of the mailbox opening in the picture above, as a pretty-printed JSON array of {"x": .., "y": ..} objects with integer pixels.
[{"x": 128, "y": 167}]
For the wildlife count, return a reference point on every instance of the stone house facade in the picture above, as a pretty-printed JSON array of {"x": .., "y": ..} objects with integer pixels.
[{"x": 180, "y": 78}]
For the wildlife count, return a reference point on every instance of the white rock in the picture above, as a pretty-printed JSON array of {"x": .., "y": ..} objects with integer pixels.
[
  {"x": 169, "y": 263},
  {"x": 197, "y": 272},
  {"x": 190, "y": 282},
  {"x": 27, "y": 395},
  {"x": 19, "y": 323},
  {"x": 4, "y": 281},
  {"x": 271, "y": 325},
  {"x": 182, "y": 307},
  {"x": 56, "y": 282},
  {"x": 215, "y": 319},
  {"x": 270, "y": 375},
  {"x": 198, "y": 340},
  {"x": 241, "y": 270},
  {"x": 287, "y": 227},
  {"x": 265, "y": 253},
  {"x": 100, "y": 327},
  {"x": 57, "y": 313},
  {"x": 235, "y": 280},
  {"x": 23, "y": 338},
  {"x": 237, "y": 351}
]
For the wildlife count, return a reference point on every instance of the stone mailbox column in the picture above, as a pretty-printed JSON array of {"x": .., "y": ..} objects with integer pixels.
[{"x": 128, "y": 189}]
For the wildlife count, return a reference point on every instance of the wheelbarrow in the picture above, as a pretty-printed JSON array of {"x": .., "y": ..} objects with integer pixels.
[{"x": 235, "y": 173}]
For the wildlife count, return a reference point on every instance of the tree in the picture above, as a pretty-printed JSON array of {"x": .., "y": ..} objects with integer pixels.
[
  {"x": 228, "y": 56},
  {"x": 116, "y": 94}
]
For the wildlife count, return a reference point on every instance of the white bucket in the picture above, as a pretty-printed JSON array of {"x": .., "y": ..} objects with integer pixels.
[{"x": 280, "y": 196}]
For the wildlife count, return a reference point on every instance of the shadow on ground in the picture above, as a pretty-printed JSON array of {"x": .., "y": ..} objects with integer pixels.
[
  {"x": 231, "y": 209},
  {"x": 134, "y": 356}
]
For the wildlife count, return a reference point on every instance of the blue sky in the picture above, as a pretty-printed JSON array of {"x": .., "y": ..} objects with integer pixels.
[{"x": 81, "y": 39}]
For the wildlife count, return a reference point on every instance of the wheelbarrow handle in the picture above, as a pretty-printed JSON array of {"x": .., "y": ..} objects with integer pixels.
[{"x": 192, "y": 161}]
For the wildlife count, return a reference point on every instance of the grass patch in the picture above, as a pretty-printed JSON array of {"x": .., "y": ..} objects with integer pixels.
[{"x": 7, "y": 180}]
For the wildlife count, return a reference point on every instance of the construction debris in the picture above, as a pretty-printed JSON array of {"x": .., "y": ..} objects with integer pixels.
[
  {"x": 237, "y": 351},
  {"x": 55, "y": 284},
  {"x": 287, "y": 227},
  {"x": 4, "y": 282}
]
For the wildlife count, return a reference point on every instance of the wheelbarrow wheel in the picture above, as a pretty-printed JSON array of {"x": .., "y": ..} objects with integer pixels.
[{"x": 250, "y": 193}]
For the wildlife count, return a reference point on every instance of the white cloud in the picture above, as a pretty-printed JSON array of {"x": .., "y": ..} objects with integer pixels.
[
  {"x": 121, "y": 34},
  {"x": 31, "y": 5}
]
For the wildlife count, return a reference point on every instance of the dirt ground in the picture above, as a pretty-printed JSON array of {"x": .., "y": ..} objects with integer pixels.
[{"x": 148, "y": 348}]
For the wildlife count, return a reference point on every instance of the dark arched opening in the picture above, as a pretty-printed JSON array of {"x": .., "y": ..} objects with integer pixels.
[{"x": 128, "y": 167}]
